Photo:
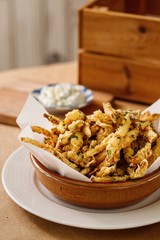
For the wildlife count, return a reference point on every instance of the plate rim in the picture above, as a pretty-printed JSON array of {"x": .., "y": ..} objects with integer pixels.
[{"x": 91, "y": 222}]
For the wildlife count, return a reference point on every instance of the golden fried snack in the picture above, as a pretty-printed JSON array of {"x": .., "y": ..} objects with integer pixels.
[
  {"x": 65, "y": 160},
  {"x": 41, "y": 130},
  {"x": 110, "y": 178},
  {"x": 155, "y": 152},
  {"x": 44, "y": 146},
  {"x": 52, "y": 118},
  {"x": 107, "y": 146}
]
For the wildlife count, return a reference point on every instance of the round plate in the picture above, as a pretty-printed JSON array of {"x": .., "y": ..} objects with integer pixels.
[
  {"x": 21, "y": 184},
  {"x": 87, "y": 93}
]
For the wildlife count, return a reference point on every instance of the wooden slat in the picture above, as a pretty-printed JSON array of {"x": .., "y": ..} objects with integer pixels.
[
  {"x": 136, "y": 6},
  {"x": 120, "y": 34},
  {"x": 153, "y": 7},
  {"x": 135, "y": 80},
  {"x": 116, "y": 5}
]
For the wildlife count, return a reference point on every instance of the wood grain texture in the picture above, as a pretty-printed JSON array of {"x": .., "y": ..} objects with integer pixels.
[
  {"x": 118, "y": 33},
  {"x": 15, "y": 86},
  {"x": 10, "y": 104},
  {"x": 134, "y": 80}
]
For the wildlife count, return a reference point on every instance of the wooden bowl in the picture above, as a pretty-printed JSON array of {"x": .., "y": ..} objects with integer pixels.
[{"x": 97, "y": 195}]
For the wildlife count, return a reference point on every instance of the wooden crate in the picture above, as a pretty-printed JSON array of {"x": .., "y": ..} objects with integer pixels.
[{"x": 119, "y": 52}]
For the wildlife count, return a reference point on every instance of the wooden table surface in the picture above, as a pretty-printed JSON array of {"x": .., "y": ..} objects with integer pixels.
[
  {"x": 15, "y": 86},
  {"x": 15, "y": 222}
]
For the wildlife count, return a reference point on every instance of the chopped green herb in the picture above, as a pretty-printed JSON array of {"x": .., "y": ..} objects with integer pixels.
[
  {"x": 78, "y": 153},
  {"x": 109, "y": 152},
  {"x": 72, "y": 137},
  {"x": 135, "y": 150},
  {"x": 133, "y": 180},
  {"x": 118, "y": 137}
]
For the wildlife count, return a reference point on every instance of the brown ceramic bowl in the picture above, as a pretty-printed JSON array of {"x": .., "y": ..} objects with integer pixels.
[{"x": 96, "y": 195}]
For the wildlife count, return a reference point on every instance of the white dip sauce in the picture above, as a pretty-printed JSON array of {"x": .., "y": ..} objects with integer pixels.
[{"x": 61, "y": 95}]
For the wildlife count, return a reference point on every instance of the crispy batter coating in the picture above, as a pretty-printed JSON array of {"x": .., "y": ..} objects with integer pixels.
[{"x": 107, "y": 146}]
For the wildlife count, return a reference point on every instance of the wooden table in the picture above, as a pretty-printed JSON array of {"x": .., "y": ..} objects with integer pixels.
[{"x": 15, "y": 222}]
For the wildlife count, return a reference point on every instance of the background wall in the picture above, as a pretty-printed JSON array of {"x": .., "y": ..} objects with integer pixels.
[{"x": 34, "y": 32}]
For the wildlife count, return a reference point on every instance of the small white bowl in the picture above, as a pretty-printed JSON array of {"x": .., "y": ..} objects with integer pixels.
[{"x": 88, "y": 97}]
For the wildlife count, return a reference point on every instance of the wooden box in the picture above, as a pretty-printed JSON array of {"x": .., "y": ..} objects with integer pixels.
[{"x": 119, "y": 51}]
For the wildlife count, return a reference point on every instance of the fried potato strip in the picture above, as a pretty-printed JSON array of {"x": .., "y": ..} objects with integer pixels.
[{"x": 112, "y": 145}]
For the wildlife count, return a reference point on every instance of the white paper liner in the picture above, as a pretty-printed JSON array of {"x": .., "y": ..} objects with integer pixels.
[
  {"x": 154, "y": 108},
  {"x": 32, "y": 114}
]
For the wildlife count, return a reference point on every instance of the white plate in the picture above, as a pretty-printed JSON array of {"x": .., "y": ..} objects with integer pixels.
[{"x": 21, "y": 184}]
